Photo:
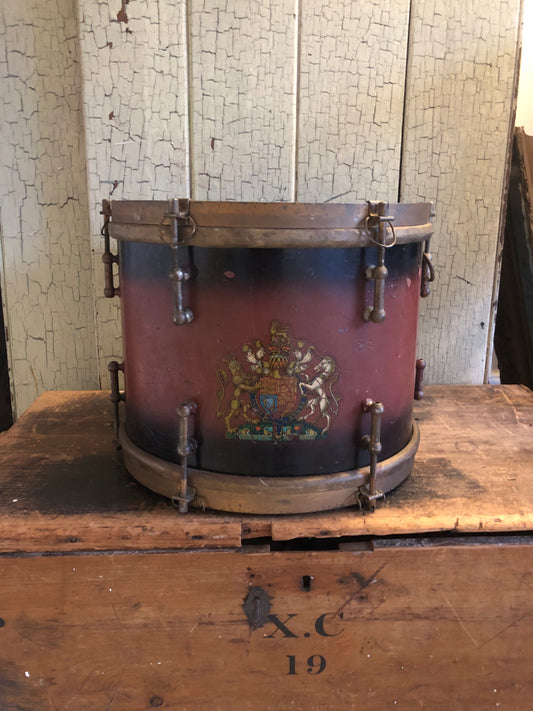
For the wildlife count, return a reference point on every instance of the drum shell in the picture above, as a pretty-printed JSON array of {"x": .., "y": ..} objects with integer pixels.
[{"x": 318, "y": 296}]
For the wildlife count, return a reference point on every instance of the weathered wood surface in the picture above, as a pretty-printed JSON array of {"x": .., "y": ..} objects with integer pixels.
[
  {"x": 351, "y": 83},
  {"x": 441, "y": 628},
  {"x": 459, "y": 102},
  {"x": 134, "y": 60},
  {"x": 45, "y": 256},
  {"x": 63, "y": 486}
]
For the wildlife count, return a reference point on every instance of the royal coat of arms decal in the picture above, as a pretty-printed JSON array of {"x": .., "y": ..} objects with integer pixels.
[{"x": 280, "y": 390}]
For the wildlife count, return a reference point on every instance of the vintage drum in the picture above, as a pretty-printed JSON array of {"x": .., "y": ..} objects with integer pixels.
[{"x": 269, "y": 349}]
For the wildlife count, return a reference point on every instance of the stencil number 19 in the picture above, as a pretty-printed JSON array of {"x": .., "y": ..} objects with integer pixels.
[{"x": 315, "y": 664}]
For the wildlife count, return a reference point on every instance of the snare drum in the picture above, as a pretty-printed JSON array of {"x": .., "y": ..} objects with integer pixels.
[{"x": 269, "y": 349}]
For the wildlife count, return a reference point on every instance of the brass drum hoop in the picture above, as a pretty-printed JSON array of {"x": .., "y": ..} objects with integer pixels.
[
  {"x": 267, "y": 495},
  {"x": 265, "y": 225}
]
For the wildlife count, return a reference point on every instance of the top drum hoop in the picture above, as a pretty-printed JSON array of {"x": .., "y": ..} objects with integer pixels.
[
  {"x": 264, "y": 225},
  {"x": 275, "y": 356}
]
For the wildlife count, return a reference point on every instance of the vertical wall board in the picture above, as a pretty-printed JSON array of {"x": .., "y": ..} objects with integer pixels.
[
  {"x": 46, "y": 261},
  {"x": 135, "y": 102},
  {"x": 460, "y": 83},
  {"x": 242, "y": 69},
  {"x": 352, "y": 75}
]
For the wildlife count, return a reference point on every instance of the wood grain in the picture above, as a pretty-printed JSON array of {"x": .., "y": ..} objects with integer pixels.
[
  {"x": 63, "y": 486},
  {"x": 443, "y": 628}
]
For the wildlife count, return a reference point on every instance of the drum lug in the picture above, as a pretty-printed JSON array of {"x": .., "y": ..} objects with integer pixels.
[
  {"x": 428, "y": 272},
  {"x": 117, "y": 396},
  {"x": 179, "y": 216},
  {"x": 368, "y": 494},
  {"x": 186, "y": 445},
  {"x": 419, "y": 378},
  {"x": 376, "y": 222},
  {"x": 108, "y": 258}
]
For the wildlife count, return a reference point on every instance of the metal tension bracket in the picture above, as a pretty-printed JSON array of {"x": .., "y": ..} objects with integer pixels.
[
  {"x": 376, "y": 222},
  {"x": 428, "y": 271},
  {"x": 368, "y": 493},
  {"x": 108, "y": 258},
  {"x": 179, "y": 216},
  {"x": 186, "y": 445},
  {"x": 117, "y": 396}
]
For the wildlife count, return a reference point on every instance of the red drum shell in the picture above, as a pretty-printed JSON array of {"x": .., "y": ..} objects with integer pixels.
[{"x": 278, "y": 358}]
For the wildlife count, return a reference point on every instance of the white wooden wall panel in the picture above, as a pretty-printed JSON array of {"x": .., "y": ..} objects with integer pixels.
[
  {"x": 135, "y": 87},
  {"x": 243, "y": 70},
  {"x": 352, "y": 76},
  {"x": 47, "y": 282},
  {"x": 461, "y": 78},
  {"x": 244, "y": 100}
]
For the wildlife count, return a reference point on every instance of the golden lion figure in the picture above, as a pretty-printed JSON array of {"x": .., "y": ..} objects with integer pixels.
[{"x": 241, "y": 382}]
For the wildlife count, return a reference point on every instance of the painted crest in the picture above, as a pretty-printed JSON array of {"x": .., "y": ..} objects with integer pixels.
[{"x": 278, "y": 389}]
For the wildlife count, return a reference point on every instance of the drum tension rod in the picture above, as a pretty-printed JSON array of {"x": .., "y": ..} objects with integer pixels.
[
  {"x": 428, "y": 271},
  {"x": 186, "y": 445},
  {"x": 117, "y": 396},
  {"x": 377, "y": 221},
  {"x": 420, "y": 366},
  {"x": 108, "y": 258},
  {"x": 178, "y": 215},
  {"x": 368, "y": 493}
]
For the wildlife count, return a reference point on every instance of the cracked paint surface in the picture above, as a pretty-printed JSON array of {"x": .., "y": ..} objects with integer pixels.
[
  {"x": 134, "y": 79},
  {"x": 352, "y": 76},
  {"x": 47, "y": 285},
  {"x": 458, "y": 111},
  {"x": 242, "y": 99}
]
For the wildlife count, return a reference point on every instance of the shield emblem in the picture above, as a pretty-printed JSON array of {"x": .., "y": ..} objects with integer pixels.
[
  {"x": 269, "y": 403},
  {"x": 278, "y": 396}
]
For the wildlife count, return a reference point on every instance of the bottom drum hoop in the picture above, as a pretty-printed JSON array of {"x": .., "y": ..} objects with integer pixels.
[{"x": 269, "y": 495}]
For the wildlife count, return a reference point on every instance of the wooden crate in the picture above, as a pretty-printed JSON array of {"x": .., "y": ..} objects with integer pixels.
[{"x": 110, "y": 599}]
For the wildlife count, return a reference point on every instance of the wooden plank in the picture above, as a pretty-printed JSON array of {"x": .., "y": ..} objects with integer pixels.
[
  {"x": 472, "y": 472},
  {"x": 134, "y": 62},
  {"x": 63, "y": 486},
  {"x": 351, "y": 94},
  {"x": 456, "y": 137},
  {"x": 439, "y": 628},
  {"x": 242, "y": 72},
  {"x": 45, "y": 260}
]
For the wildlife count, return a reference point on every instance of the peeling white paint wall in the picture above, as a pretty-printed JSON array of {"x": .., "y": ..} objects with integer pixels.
[
  {"x": 524, "y": 108},
  {"x": 47, "y": 276},
  {"x": 458, "y": 113},
  {"x": 136, "y": 121},
  {"x": 246, "y": 100},
  {"x": 352, "y": 82}
]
